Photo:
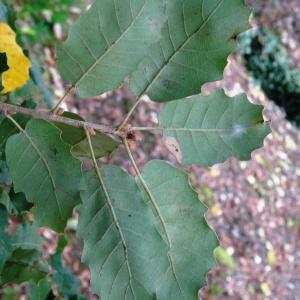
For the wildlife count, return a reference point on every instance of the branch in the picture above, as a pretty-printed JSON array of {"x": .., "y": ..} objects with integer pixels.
[
  {"x": 65, "y": 96},
  {"x": 38, "y": 114}
]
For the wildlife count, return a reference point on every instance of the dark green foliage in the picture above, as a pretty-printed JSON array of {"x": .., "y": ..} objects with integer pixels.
[
  {"x": 3, "y": 63},
  {"x": 23, "y": 256},
  {"x": 67, "y": 283},
  {"x": 3, "y": 217},
  {"x": 3, "y": 67},
  {"x": 268, "y": 63},
  {"x": 41, "y": 16},
  {"x": 41, "y": 290}
]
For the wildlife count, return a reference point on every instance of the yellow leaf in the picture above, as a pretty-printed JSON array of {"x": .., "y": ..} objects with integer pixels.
[{"x": 18, "y": 73}]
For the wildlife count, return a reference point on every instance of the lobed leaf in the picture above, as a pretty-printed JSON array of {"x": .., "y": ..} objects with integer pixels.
[
  {"x": 24, "y": 266},
  {"x": 25, "y": 262},
  {"x": 210, "y": 129},
  {"x": 27, "y": 238},
  {"x": 122, "y": 246},
  {"x": 43, "y": 168},
  {"x": 193, "y": 49},
  {"x": 190, "y": 240},
  {"x": 108, "y": 42},
  {"x": 18, "y": 73}
]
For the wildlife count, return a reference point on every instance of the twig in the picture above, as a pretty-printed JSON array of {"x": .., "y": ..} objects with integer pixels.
[
  {"x": 38, "y": 114},
  {"x": 131, "y": 111},
  {"x": 65, "y": 96}
]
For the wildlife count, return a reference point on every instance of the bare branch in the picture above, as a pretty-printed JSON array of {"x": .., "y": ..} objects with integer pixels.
[{"x": 45, "y": 115}]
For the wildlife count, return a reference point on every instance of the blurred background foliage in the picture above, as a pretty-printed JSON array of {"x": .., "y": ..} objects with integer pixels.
[
  {"x": 39, "y": 26},
  {"x": 268, "y": 61},
  {"x": 43, "y": 22}
]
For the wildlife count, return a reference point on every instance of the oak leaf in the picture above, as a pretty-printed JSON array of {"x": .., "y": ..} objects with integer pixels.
[{"x": 18, "y": 72}]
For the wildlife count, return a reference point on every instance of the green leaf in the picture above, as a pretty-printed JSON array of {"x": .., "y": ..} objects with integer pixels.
[
  {"x": 5, "y": 178},
  {"x": 190, "y": 240},
  {"x": 19, "y": 202},
  {"x": 7, "y": 129},
  {"x": 44, "y": 170},
  {"x": 122, "y": 246},
  {"x": 6, "y": 202},
  {"x": 209, "y": 129},
  {"x": 41, "y": 290},
  {"x": 27, "y": 238},
  {"x": 71, "y": 135},
  {"x": 193, "y": 49},
  {"x": 5, "y": 249},
  {"x": 25, "y": 263},
  {"x": 103, "y": 144},
  {"x": 67, "y": 283},
  {"x": 3, "y": 217},
  {"x": 108, "y": 42}
]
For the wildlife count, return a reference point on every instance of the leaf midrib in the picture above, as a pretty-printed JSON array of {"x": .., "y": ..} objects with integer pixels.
[
  {"x": 106, "y": 194},
  {"x": 107, "y": 51},
  {"x": 39, "y": 153},
  {"x": 148, "y": 87},
  {"x": 156, "y": 207},
  {"x": 210, "y": 129}
]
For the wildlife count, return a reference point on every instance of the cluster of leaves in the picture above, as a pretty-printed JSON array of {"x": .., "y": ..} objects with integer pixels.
[
  {"x": 268, "y": 63},
  {"x": 22, "y": 259},
  {"x": 146, "y": 236}
]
